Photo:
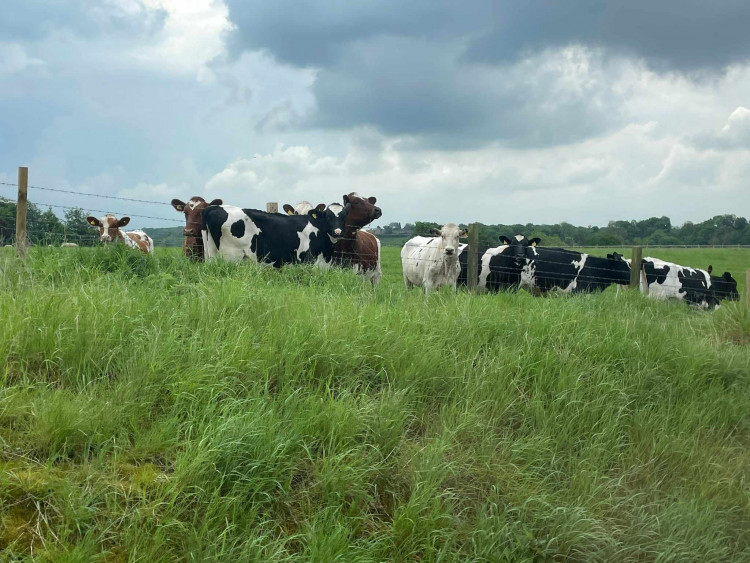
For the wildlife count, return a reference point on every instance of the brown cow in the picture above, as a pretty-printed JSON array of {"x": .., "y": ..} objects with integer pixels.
[
  {"x": 193, "y": 210},
  {"x": 109, "y": 231},
  {"x": 356, "y": 248}
]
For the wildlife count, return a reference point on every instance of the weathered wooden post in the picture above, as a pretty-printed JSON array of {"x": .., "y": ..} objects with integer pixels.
[
  {"x": 635, "y": 267},
  {"x": 22, "y": 241},
  {"x": 747, "y": 285},
  {"x": 272, "y": 207},
  {"x": 472, "y": 259}
]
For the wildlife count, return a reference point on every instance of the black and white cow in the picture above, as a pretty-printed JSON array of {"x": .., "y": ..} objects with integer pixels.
[
  {"x": 570, "y": 271},
  {"x": 723, "y": 286},
  {"x": 272, "y": 238},
  {"x": 667, "y": 280},
  {"x": 501, "y": 266}
]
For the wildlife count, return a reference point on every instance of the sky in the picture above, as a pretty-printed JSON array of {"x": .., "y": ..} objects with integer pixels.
[{"x": 493, "y": 111}]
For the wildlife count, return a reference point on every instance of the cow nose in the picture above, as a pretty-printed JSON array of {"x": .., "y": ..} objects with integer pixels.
[
  {"x": 337, "y": 232},
  {"x": 106, "y": 238},
  {"x": 189, "y": 233},
  {"x": 377, "y": 213},
  {"x": 449, "y": 251}
]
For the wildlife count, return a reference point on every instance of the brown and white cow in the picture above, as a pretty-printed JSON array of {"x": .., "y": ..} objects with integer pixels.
[
  {"x": 193, "y": 210},
  {"x": 358, "y": 249},
  {"x": 109, "y": 231}
]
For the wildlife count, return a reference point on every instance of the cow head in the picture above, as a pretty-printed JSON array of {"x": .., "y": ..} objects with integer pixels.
[
  {"x": 449, "y": 235},
  {"x": 329, "y": 219},
  {"x": 337, "y": 215},
  {"x": 519, "y": 247},
  {"x": 301, "y": 208},
  {"x": 362, "y": 211},
  {"x": 109, "y": 226},
  {"x": 193, "y": 210},
  {"x": 724, "y": 286}
]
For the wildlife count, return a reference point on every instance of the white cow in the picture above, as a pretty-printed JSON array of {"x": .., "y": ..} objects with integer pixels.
[
  {"x": 430, "y": 262},
  {"x": 302, "y": 208}
]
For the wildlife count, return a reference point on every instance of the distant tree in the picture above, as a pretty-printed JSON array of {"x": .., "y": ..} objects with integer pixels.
[
  {"x": 424, "y": 229},
  {"x": 77, "y": 229}
]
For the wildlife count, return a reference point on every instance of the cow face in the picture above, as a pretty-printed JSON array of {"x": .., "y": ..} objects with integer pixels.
[
  {"x": 363, "y": 211},
  {"x": 519, "y": 247},
  {"x": 724, "y": 286},
  {"x": 449, "y": 235},
  {"x": 193, "y": 210},
  {"x": 109, "y": 226},
  {"x": 336, "y": 215}
]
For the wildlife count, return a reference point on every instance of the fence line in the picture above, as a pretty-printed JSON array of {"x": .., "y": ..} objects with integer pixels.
[
  {"x": 472, "y": 250},
  {"x": 90, "y": 194}
]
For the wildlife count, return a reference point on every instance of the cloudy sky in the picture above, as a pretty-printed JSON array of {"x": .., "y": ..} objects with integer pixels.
[{"x": 495, "y": 111}]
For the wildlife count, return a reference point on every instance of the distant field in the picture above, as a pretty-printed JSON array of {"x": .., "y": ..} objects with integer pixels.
[{"x": 153, "y": 409}]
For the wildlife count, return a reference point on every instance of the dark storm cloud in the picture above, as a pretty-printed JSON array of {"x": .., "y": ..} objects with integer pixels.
[
  {"x": 669, "y": 34},
  {"x": 316, "y": 33},
  {"x": 681, "y": 35},
  {"x": 446, "y": 74},
  {"x": 419, "y": 88}
]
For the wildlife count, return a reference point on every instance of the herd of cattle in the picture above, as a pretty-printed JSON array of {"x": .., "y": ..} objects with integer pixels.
[
  {"x": 331, "y": 235},
  {"x": 519, "y": 263},
  {"x": 328, "y": 235}
]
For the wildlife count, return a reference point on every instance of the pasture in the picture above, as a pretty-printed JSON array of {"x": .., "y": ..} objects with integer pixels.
[{"x": 153, "y": 409}]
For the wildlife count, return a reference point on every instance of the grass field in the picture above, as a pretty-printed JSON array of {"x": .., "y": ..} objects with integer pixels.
[{"x": 153, "y": 409}]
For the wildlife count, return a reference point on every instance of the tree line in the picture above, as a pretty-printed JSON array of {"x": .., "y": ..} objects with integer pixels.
[
  {"x": 45, "y": 227},
  {"x": 719, "y": 230}
]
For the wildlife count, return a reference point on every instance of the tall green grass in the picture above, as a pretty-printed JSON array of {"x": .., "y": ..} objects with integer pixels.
[{"x": 153, "y": 409}]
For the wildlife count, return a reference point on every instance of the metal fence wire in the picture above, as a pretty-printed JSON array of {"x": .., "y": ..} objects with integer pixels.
[{"x": 581, "y": 269}]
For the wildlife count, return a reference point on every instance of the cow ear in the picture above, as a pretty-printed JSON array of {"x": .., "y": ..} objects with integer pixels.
[
  {"x": 372, "y": 200},
  {"x": 289, "y": 209},
  {"x": 535, "y": 241},
  {"x": 93, "y": 221},
  {"x": 217, "y": 202},
  {"x": 436, "y": 232},
  {"x": 463, "y": 234},
  {"x": 505, "y": 240},
  {"x": 124, "y": 221},
  {"x": 321, "y": 207},
  {"x": 178, "y": 205},
  {"x": 727, "y": 276},
  {"x": 710, "y": 269},
  {"x": 346, "y": 199}
]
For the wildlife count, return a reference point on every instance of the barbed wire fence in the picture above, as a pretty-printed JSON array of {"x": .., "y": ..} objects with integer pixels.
[
  {"x": 37, "y": 229},
  {"x": 549, "y": 272}
]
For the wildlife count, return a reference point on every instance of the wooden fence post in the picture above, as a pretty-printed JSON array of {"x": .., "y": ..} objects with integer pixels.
[
  {"x": 747, "y": 285},
  {"x": 635, "y": 267},
  {"x": 272, "y": 207},
  {"x": 22, "y": 241},
  {"x": 472, "y": 259}
]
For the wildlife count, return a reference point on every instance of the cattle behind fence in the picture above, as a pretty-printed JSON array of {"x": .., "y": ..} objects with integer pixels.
[{"x": 471, "y": 257}]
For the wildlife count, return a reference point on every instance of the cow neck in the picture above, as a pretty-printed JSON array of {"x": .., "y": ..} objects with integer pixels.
[{"x": 348, "y": 238}]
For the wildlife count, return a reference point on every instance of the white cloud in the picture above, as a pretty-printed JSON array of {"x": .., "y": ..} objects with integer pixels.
[
  {"x": 193, "y": 35},
  {"x": 13, "y": 59},
  {"x": 636, "y": 172}
]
